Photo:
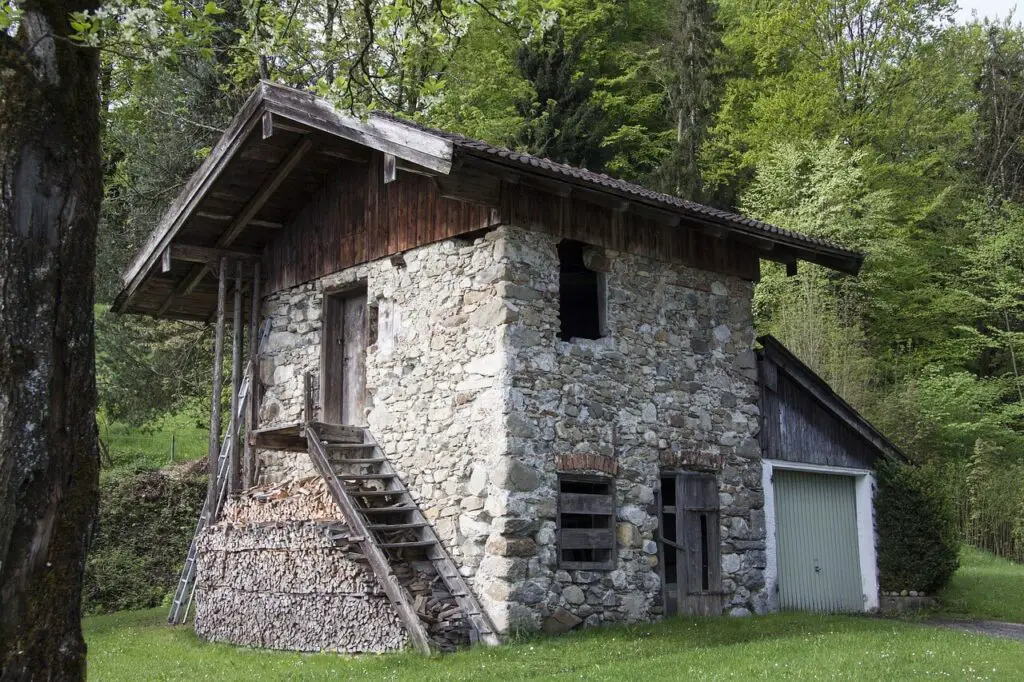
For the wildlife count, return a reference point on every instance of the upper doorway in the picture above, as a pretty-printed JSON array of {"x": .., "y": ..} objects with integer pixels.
[{"x": 343, "y": 357}]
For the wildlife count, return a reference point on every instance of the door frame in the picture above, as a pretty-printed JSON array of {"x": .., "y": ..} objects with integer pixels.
[
  {"x": 342, "y": 291},
  {"x": 864, "y": 486}
]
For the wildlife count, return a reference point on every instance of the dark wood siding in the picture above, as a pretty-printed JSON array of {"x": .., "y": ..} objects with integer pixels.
[
  {"x": 585, "y": 221},
  {"x": 796, "y": 427},
  {"x": 355, "y": 218}
]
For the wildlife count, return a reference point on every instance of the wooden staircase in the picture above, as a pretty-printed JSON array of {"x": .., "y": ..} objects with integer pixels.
[{"x": 389, "y": 525}]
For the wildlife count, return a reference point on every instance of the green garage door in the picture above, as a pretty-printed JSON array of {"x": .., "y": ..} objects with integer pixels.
[{"x": 816, "y": 530}]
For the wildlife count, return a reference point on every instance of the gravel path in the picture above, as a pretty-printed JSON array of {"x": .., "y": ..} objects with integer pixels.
[{"x": 981, "y": 627}]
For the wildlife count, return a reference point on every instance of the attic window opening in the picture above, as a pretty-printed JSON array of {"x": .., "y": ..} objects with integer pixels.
[
  {"x": 581, "y": 302},
  {"x": 586, "y": 523}
]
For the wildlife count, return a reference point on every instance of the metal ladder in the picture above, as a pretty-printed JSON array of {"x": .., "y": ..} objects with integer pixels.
[
  {"x": 374, "y": 513},
  {"x": 183, "y": 594}
]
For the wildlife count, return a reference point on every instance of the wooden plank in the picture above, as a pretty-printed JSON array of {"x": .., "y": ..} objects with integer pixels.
[
  {"x": 578, "y": 503},
  {"x": 194, "y": 253},
  {"x": 337, "y": 433},
  {"x": 249, "y": 457},
  {"x": 404, "y": 141},
  {"x": 586, "y": 538},
  {"x": 218, "y": 362}
]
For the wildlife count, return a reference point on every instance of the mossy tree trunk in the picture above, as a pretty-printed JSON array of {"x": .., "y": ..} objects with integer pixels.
[{"x": 50, "y": 192}]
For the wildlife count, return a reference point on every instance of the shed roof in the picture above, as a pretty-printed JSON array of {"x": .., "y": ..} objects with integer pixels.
[
  {"x": 817, "y": 388},
  {"x": 283, "y": 144}
]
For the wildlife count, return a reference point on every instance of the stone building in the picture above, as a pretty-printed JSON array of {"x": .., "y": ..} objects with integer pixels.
[{"x": 557, "y": 366}]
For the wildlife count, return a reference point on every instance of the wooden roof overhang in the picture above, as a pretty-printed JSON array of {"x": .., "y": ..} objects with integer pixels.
[
  {"x": 816, "y": 387},
  {"x": 283, "y": 145},
  {"x": 276, "y": 152}
]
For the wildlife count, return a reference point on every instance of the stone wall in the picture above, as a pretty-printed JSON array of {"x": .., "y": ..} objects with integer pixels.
[
  {"x": 476, "y": 400},
  {"x": 434, "y": 385},
  {"x": 673, "y": 383}
]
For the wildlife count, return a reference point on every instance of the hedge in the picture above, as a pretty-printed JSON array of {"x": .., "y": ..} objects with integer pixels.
[{"x": 918, "y": 542}]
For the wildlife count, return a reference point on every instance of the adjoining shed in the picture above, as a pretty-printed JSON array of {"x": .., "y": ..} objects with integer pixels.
[{"x": 817, "y": 471}]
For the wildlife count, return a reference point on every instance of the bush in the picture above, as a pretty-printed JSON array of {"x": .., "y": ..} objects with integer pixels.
[
  {"x": 145, "y": 526},
  {"x": 918, "y": 542}
]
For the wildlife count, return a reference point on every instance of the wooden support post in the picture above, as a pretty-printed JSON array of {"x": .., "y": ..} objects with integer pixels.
[
  {"x": 234, "y": 470},
  {"x": 249, "y": 460},
  {"x": 307, "y": 399},
  {"x": 218, "y": 361}
]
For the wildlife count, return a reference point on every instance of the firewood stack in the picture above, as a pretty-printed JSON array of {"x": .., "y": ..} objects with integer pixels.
[
  {"x": 279, "y": 571},
  {"x": 282, "y": 571}
]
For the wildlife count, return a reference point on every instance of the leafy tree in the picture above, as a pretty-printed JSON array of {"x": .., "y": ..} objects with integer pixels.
[{"x": 692, "y": 91}]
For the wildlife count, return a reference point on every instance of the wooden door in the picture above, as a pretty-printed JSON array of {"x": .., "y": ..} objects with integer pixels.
[
  {"x": 343, "y": 358},
  {"x": 691, "y": 557}
]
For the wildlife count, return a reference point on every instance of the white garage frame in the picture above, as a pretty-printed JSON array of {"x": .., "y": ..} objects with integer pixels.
[{"x": 864, "y": 486}]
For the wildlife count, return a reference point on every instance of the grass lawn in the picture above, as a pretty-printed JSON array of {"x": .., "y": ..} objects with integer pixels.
[
  {"x": 131, "y": 448},
  {"x": 985, "y": 586},
  {"x": 140, "y": 646}
]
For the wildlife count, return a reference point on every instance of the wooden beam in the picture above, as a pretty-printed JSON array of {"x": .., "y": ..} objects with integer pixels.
[
  {"x": 201, "y": 181},
  {"x": 390, "y": 171},
  {"x": 194, "y": 253},
  {"x": 243, "y": 219},
  {"x": 218, "y": 361},
  {"x": 249, "y": 461},
  {"x": 225, "y": 216},
  {"x": 234, "y": 470},
  {"x": 165, "y": 261},
  {"x": 264, "y": 193},
  {"x": 268, "y": 125}
]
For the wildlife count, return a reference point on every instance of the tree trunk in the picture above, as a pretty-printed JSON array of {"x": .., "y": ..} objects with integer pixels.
[{"x": 50, "y": 191}]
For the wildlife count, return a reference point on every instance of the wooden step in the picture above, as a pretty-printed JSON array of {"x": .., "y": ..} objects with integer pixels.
[
  {"x": 336, "y": 447},
  {"x": 364, "y": 477},
  {"x": 396, "y": 526},
  {"x": 386, "y": 510},
  {"x": 354, "y": 460},
  {"x": 376, "y": 493},
  {"x": 415, "y": 543}
]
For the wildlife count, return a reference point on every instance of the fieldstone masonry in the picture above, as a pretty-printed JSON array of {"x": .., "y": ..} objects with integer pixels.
[{"x": 476, "y": 401}]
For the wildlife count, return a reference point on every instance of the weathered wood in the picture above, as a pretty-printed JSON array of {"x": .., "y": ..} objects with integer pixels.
[
  {"x": 208, "y": 254},
  {"x": 218, "y": 363},
  {"x": 252, "y": 417},
  {"x": 234, "y": 468},
  {"x": 376, "y": 558},
  {"x": 804, "y": 420},
  {"x": 233, "y": 138},
  {"x": 405, "y": 142},
  {"x": 576, "y": 503},
  {"x": 586, "y": 538}
]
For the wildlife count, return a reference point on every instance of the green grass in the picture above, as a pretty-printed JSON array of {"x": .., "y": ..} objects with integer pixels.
[
  {"x": 131, "y": 448},
  {"x": 985, "y": 586},
  {"x": 140, "y": 646}
]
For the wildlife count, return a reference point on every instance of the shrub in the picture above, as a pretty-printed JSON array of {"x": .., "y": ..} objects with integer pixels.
[
  {"x": 145, "y": 526},
  {"x": 918, "y": 542}
]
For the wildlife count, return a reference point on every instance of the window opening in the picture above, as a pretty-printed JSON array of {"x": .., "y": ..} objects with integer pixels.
[
  {"x": 581, "y": 294},
  {"x": 586, "y": 523}
]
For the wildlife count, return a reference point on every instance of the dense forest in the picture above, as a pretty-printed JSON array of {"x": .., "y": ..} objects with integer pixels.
[{"x": 879, "y": 124}]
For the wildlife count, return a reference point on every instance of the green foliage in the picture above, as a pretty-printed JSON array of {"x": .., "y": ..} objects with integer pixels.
[
  {"x": 917, "y": 532},
  {"x": 787, "y": 646},
  {"x": 145, "y": 526},
  {"x": 146, "y": 369},
  {"x": 127, "y": 448}
]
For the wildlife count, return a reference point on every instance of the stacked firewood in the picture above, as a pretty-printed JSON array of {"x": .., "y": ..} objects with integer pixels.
[
  {"x": 434, "y": 604},
  {"x": 292, "y": 500}
]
